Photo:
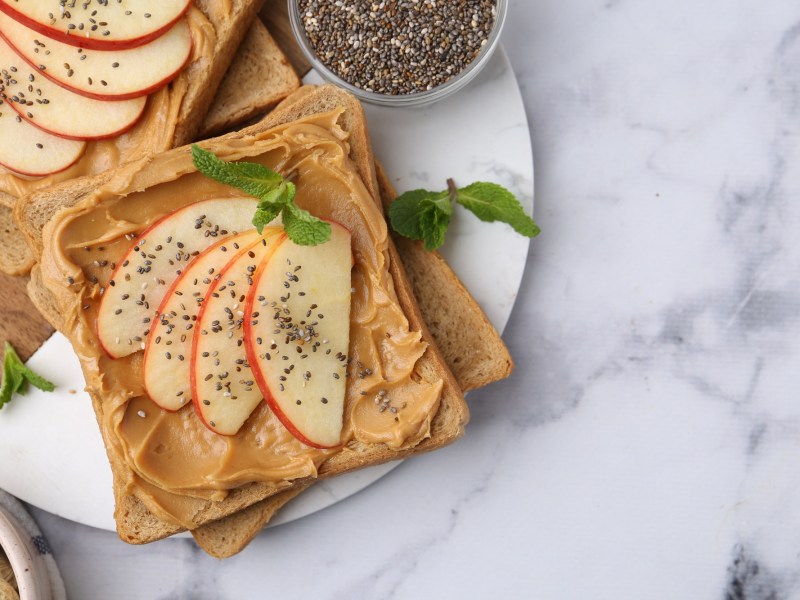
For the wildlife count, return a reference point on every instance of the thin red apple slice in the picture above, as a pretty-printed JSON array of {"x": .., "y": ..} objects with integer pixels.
[
  {"x": 97, "y": 24},
  {"x": 103, "y": 74},
  {"x": 223, "y": 389},
  {"x": 168, "y": 349},
  {"x": 27, "y": 150},
  {"x": 57, "y": 110},
  {"x": 298, "y": 344},
  {"x": 146, "y": 272}
]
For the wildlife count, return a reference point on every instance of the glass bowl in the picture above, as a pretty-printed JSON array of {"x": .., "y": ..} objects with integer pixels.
[{"x": 441, "y": 91}]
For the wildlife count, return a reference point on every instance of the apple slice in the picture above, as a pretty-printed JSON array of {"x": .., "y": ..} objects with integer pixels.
[
  {"x": 168, "y": 348},
  {"x": 57, "y": 110},
  {"x": 27, "y": 150},
  {"x": 297, "y": 331},
  {"x": 105, "y": 75},
  {"x": 223, "y": 389},
  {"x": 97, "y": 24},
  {"x": 146, "y": 272}
]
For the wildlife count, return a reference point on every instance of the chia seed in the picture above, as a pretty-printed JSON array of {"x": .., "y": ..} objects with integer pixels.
[{"x": 397, "y": 47}]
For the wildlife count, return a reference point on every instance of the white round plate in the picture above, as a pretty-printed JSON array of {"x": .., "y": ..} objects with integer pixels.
[{"x": 52, "y": 453}]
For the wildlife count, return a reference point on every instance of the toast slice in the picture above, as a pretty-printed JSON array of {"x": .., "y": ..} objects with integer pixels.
[
  {"x": 232, "y": 534},
  {"x": 259, "y": 77},
  {"x": 16, "y": 258},
  {"x": 173, "y": 117},
  {"x": 484, "y": 340},
  {"x": 138, "y": 523}
]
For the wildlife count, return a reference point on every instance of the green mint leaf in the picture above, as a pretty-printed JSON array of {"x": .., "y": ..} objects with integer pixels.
[
  {"x": 265, "y": 214},
  {"x": 276, "y": 195},
  {"x": 16, "y": 374},
  {"x": 303, "y": 228},
  {"x": 434, "y": 222},
  {"x": 443, "y": 204},
  {"x": 253, "y": 179},
  {"x": 405, "y": 211},
  {"x": 37, "y": 380},
  {"x": 422, "y": 215},
  {"x": 12, "y": 380},
  {"x": 491, "y": 202}
]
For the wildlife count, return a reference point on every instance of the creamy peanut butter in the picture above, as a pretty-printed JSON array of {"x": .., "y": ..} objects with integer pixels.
[
  {"x": 175, "y": 463},
  {"x": 152, "y": 133}
]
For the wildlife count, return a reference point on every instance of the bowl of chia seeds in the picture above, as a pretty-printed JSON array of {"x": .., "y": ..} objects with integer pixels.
[{"x": 398, "y": 52}]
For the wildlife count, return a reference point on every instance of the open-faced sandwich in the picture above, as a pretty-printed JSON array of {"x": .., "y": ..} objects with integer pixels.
[{"x": 226, "y": 365}]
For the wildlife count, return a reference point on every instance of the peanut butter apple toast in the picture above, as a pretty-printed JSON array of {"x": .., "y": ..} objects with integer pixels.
[
  {"x": 106, "y": 102},
  {"x": 175, "y": 470},
  {"x": 229, "y": 535}
]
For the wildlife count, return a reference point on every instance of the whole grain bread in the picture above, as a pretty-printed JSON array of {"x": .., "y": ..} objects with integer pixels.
[
  {"x": 259, "y": 77},
  {"x": 199, "y": 80},
  {"x": 229, "y": 536},
  {"x": 16, "y": 258},
  {"x": 7, "y": 591},
  {"x": 135, "y": 523}
]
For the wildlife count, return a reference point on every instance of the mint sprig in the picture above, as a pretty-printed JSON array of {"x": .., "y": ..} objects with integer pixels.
[
  {"x": 275, "y": 193},
  {"x": 16, "y": 375},
  {"x": 424, "y": 215}
]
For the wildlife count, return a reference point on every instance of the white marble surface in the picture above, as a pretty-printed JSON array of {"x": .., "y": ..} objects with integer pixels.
[{"x": 648, "y": 444}]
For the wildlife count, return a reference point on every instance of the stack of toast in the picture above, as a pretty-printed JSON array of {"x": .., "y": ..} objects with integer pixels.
[{"x": 463, "y": 351}]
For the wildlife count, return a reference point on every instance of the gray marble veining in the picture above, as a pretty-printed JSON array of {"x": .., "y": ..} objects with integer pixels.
[{"x": 648, "y": 444}]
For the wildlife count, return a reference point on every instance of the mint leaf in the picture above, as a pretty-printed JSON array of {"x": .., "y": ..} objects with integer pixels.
[
  {"x": 253, "y": 179},
  {"x": 12, "y": 380},
  {"x": 406, "y": 211},
  {"x": 37, "y": 380},
  {"x": 422, "y": 215},
  {"x": 303, "y": 228},
  {"x": 276, "y": 195},
  {"x": 491, "y": 202},
  {"x": 16, "y": 374},
  {"x": 434, "y": 222},
  {"x": 265, "y": 214}
]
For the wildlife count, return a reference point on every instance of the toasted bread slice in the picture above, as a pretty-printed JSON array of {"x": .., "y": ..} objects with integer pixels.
[
  {"x": 229, "y": 536},
  {"x": 486, "y": 344},
  {"x": 136, "y": 524},
  {"x": 16, "y": 258},
  {"x": 259, "y": 78},
  {"x": 173, "y": 116}
]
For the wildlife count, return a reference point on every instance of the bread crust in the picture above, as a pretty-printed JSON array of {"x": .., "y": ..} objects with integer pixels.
[{"x": 258, "y": 79}]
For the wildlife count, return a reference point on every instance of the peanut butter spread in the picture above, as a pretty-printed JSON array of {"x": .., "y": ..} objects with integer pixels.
[
  {"x": 171, "y": 461},
  {"x": 152, "y": 133}
]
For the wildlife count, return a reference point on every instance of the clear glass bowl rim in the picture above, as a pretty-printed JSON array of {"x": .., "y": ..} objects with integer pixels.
[{"x": 418, "y": 98}]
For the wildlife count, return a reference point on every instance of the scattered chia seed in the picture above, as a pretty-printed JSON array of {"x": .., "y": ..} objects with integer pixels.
[{"x": 397, "y": 47}]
